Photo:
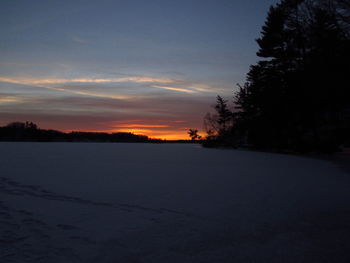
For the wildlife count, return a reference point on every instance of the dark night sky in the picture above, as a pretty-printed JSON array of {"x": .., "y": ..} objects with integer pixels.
[{"x": 151, "y": 67}]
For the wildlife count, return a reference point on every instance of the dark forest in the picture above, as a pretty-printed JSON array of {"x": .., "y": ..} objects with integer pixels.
[{"x": 296, "y": 98}]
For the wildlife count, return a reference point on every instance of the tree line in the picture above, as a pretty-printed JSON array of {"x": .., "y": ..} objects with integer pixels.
[
  {"x": 29, "y": 131},
  {"x": 296, "y": 98}
]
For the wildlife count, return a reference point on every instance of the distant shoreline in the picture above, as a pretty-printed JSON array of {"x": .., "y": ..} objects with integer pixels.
[
  {"x": 30, "y": 132},
  {"x": 150, "y": 141}
]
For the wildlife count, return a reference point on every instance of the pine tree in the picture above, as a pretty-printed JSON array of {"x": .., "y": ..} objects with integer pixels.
[
  {"x": 294, "y": 96},
  {"x": 223, "y": 113}
]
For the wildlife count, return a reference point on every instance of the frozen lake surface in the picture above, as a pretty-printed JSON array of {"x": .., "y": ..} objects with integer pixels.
[{"x": 70, "y": 202}]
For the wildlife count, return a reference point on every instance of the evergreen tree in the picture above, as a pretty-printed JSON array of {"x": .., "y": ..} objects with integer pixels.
[
  {"x": 224, "y": 114},
  {"x": 293, "y": 98},
  {"x": 297, "y": 97}
]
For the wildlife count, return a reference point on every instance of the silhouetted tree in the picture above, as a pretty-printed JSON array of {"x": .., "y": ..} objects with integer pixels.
[
  {"x": 31, "y": 125},
  {"x": 297, "y": 97},
  {"x": 223, "y": 113},
  {"x": 193, "y": 133},
  {"x": 217, "y": 124}
]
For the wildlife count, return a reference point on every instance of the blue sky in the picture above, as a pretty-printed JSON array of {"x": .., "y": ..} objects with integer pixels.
[{"x": 152, "y": 67}]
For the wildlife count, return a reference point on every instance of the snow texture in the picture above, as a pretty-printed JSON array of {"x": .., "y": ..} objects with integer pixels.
[{"x": 87, "y": 202}]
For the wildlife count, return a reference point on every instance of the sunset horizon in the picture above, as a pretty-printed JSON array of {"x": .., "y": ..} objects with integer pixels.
[
  {"x": 156, "y": 131},
  {"x": 212, "y": 131},
  {"x": 89, "y": 67}
]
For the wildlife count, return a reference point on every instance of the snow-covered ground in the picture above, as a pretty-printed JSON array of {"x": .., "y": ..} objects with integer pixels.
[{"x": 76, "y": 202}]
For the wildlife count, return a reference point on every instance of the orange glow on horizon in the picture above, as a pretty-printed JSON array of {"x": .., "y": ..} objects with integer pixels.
[
  {"x": 152, "y": 134},
  {"x": 158, "y": 134},
  {"x": 170, "y": 130}
]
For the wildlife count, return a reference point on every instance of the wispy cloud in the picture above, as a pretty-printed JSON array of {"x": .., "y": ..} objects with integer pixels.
[
  {"x": 93, "y": 94},
  {"x": 172, "y": 84},
  {"x": 47, "y": 81},
  {"x": 10, "y": 99},
  {"x": 174, "y": 89},
  {"x": 45, "y": 84}
]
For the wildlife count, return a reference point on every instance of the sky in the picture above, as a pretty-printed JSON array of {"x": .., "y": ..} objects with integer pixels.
[{"x": 150, "y": 67}]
